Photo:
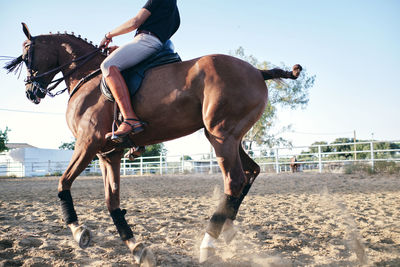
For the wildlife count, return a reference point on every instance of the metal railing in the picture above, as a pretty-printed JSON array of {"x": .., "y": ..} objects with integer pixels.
[{"x": 319, "y": 158}]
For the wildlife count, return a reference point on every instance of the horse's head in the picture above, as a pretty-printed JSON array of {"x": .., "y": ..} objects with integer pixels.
[
  {"x": 39, "y": 56},
  {"x": 47, "y": 55}
]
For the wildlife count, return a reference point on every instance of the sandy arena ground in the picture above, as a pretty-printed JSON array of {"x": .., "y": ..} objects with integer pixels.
[{"x": 287, "y": 220}]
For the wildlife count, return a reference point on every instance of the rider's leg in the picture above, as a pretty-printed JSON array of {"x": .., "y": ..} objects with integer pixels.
[
  {"x": 122, "y": 58},
  {"x": 120, "y": 92}
]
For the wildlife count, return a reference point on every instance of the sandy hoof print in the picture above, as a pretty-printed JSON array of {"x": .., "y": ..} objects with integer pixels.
[
  {"x": 83, "y": 236},
  {"x": 143, "y": 256}
]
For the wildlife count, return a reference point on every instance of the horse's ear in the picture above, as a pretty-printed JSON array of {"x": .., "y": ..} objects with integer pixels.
[{"x": 26, "y": 31}]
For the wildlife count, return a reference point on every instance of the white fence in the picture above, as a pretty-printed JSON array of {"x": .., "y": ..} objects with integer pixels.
[
  {"x": 319, "y": 158},
  {"x": 329, "y": 157}
]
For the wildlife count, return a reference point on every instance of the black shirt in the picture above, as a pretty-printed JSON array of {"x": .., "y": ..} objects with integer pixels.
[{"x": 164, "y": 20}]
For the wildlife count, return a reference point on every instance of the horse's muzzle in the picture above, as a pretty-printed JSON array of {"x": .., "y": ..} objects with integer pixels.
[{"x": 34, "y": 92}]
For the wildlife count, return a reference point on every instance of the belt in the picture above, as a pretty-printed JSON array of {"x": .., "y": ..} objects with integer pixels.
[{"x": 146, "y": 32}]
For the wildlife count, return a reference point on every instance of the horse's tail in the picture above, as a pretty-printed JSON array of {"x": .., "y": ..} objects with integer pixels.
[{"x": 279, "y": 73}]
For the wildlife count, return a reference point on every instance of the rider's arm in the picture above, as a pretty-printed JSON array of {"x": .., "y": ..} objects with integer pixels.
[
  {"x": 131, "y": 24},
  {"x": 126, "y": 27}
]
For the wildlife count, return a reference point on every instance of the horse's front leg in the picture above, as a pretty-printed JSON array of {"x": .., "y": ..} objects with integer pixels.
[
  {"x": 83, "y": 154},
  {"x": 110, "y": 166}
]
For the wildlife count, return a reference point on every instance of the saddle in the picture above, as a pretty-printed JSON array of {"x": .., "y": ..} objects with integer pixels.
[{"x": 134, "y": 76}]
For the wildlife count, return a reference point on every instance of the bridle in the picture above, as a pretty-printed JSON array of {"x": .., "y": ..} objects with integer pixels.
[{"x": 33, "y": 77}]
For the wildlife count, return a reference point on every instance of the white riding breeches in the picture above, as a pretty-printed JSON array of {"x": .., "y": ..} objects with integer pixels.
[{"x": 132, "y": 53}]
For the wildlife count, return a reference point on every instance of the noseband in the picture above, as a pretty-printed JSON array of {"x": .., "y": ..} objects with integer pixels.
[
  {"x": 37, "y": 90},
  {"x": 32, "y": 78}
]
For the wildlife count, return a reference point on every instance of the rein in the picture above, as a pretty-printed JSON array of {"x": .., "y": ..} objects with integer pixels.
[
  {"x": 32, "y": 79},
  {"x": 81, "y": 82}
]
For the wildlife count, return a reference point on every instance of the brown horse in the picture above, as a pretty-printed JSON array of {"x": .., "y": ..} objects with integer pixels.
[
  {"x": 294, "y": 166},
  {"x": 222, "y": 94}
]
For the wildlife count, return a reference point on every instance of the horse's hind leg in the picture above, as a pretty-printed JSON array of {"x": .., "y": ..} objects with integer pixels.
[
  {"x": 251, "y": 170},
  {"x": 110, "y": 167},
  {"x": 227, "y": 152},
  {"x": 239, "y": 172}
]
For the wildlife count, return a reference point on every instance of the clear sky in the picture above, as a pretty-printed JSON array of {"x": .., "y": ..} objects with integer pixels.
[{"x": 352, "y": 46}]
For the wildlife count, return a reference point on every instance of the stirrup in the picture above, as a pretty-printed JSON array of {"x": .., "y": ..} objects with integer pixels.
[{"x": 135, "y": 128}]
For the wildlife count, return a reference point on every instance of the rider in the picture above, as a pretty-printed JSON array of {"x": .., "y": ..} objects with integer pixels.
[{"x": 156, "y": 22}]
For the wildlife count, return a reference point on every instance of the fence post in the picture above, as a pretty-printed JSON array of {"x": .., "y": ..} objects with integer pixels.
[
  {"x": 161, "y": 170},
  {"x": 141, "y": 165},
  {"x": 372, "y": 155},
  {"x": 211, "y": 161},
  {"x": 319, "y": 159},
  {"x": 123, "y": 166},
  {"x": 277, "y": 160},
  {"x": 182, "y": 163}
]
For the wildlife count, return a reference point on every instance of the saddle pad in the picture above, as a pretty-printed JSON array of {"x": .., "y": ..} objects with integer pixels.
[{"x": 134, "y": 76}]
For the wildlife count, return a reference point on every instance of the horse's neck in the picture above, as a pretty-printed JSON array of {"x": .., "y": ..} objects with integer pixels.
[{"x": 70, "y": 49}]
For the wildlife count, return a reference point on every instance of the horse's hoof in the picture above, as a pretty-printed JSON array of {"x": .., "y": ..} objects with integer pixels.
[
  {"x": 143, "y": 256},
  {"x": 83, "y": 236},
  {"x": 206, "y": 254}
]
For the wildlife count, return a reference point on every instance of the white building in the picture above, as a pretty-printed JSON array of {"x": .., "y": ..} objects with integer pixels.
[{"x": 25, "y": 160}]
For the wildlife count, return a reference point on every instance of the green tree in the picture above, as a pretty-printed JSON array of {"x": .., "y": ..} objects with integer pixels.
[
  {"x": 186, "y": 157},
  {"x": 286, "y": 94},
  {"x": 386, "y": 145},
  {"x": 154, "y": 150},
  {"x": 68, "y": 146},
  {"x": 343, "y": 148},
  {"x": 4, "y": 139},
  {"x": 325, "y": 148}
]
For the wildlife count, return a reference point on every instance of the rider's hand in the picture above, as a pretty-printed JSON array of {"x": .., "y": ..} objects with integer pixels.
[
  {"x": 106, "y": 41},
  {"x": 112, "y": 48}
]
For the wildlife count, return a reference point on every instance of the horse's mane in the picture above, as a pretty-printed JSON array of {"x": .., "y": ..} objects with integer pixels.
[
  {"x": 16, "y": 63},
  {"x": 73, "y": 36}
]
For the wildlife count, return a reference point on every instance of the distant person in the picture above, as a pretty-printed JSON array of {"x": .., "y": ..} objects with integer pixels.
[{"x": 155, "y": 23}]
